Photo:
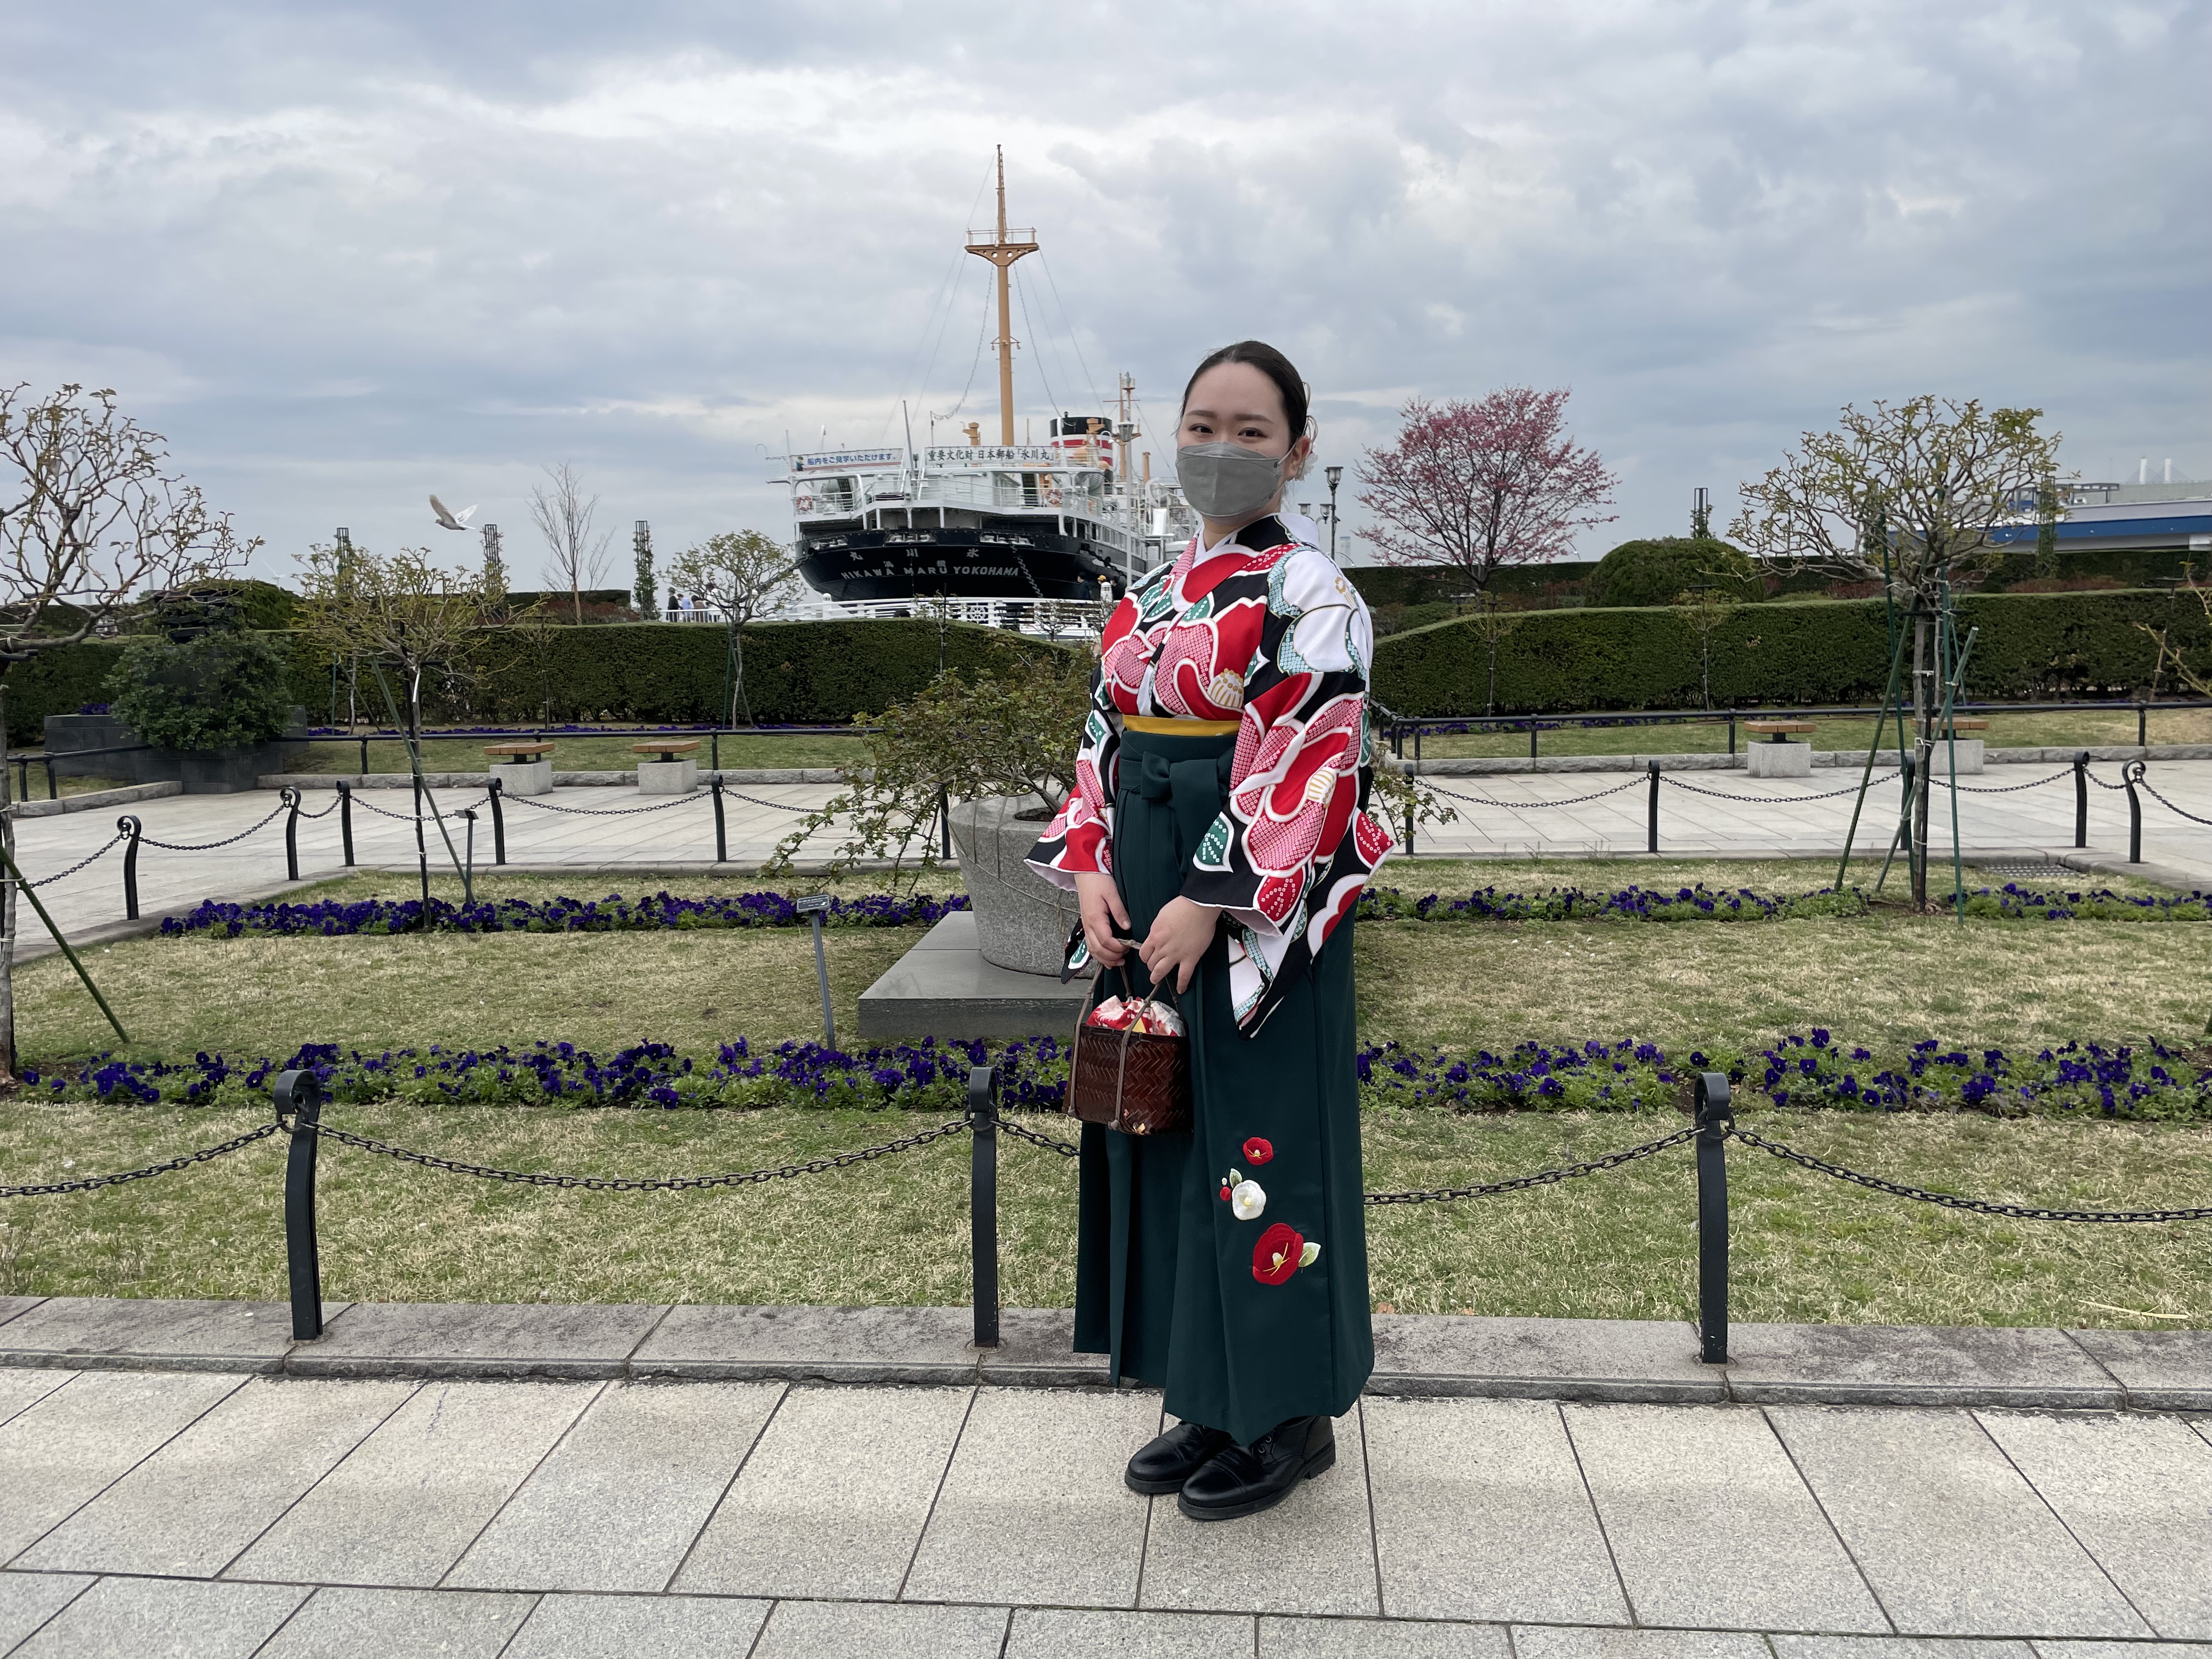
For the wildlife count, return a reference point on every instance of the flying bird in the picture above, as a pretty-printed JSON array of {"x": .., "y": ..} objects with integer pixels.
[{"x": 449, "y": 518}]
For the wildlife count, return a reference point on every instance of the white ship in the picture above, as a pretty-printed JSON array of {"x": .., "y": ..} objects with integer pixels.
[{"x": 1039, "y": 536}]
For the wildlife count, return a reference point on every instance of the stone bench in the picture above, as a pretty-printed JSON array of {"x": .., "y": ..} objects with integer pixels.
[
  {"x": 1779, "y": 756},
  {"x": 529, "y": 769},
  {"x": 676, "y": 773}
]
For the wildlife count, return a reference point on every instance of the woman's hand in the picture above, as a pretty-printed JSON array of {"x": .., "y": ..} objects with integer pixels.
[
  {"x": 1100, "y": 900},
  {"x": 1181, "y": 933}
]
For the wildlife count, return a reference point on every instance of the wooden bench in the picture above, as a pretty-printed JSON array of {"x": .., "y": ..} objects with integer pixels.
[
  {"x": 1969, "y": 723},
  {"x": 667, "y": 752},
  {"x": 1779, "y": 731},
  {"x": 518, "y": 750}
]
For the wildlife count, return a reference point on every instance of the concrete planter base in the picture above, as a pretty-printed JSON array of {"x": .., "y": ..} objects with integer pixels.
[
  {"x": 1779, "y": 760},
  {"x": 1972, "y": 756},
  {"x": 214, "y": 771},
  {"x": 676, "y": 777},
  {"x": 1022, "y": 920},
  {"x": 524, "y": 777}
]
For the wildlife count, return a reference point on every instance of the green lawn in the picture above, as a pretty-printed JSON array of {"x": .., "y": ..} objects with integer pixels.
[
  {"x": 2062, "y": 731},
  {"x": 574, "y": 753},
  {"x": 1617, "y": 1245}
]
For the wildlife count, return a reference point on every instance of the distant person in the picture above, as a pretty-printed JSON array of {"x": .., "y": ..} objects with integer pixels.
[{"x": 1217, "y": 825}]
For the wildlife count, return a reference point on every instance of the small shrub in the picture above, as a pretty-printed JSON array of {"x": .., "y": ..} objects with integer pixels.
[
  {"x": 224, "y": 688},
  {"x": 1653, "y": 572}
]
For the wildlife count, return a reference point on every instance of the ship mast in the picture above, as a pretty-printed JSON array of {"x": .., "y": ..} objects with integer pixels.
[{"x": 1002, "y": 252}]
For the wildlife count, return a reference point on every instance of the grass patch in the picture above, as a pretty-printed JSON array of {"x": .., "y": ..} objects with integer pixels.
[
  {"x": 2085, "y": 730},
  {"x": 1620, "y": 1245},
  {"x": 573, "y": 753}
]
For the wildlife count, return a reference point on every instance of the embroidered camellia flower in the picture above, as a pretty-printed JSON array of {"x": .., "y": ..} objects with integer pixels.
[
  {"x": 1248, "y": 1199},
  {"x": 1279, "y": 1253},
  {"x": 1257, "y": 1151}
]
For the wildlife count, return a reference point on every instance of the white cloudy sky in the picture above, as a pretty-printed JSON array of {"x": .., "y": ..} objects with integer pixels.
[{"x": 347, "y": 254}]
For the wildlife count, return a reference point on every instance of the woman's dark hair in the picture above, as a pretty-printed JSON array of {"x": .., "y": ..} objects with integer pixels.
[{"x": 1271, "y": 364}]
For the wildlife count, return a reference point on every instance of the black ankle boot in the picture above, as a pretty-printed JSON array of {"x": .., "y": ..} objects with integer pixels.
[
  {"x": 1245, "y": 1479},
  {"x": 1164, "y": 1465}
]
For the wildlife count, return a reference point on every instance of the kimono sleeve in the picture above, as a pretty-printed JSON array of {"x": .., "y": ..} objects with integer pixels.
[{"x": 1080, "y": 840}]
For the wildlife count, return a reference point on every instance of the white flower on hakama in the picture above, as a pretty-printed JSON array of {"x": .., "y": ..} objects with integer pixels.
[{"x": 1248, "y": 1200}]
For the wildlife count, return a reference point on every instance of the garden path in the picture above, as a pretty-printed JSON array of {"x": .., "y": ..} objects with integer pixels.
[
  {"x": 211, "y": 1513},
  {"x": 1525, "y": 811}
]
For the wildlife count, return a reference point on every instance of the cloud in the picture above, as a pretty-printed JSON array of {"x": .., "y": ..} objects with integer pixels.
[{"x": 346, "y": 256}]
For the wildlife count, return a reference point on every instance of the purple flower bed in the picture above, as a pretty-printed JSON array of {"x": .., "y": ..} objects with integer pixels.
[
  {"x": 335, "y": 918},
  {"x": 1698, "y": 903},
  {"x": 2149, "y": 1080},
  {"x": 2078, "y": 1079}
]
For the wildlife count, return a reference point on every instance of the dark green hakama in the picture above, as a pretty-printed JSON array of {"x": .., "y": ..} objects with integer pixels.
[{"x": 1165, "y": 1278}]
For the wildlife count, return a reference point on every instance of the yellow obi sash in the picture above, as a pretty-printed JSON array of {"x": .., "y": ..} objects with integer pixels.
[{"x": 1180, "y": 728}]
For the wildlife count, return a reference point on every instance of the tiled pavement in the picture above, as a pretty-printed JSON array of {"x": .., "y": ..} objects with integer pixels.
[
  {"x": 600, "y": 830},
  {"x": 211, "y": 1514}
]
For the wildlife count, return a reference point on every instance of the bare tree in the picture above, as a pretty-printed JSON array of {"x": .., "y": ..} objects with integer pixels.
[
  {"x": 405, "y": 614},
  {"x": 1475, "y": 486},
  {"x": 91, "y": 517},
  {"x": 745, "y": 575},
  {"x": 567, "y": 517},
  {"x": 1906, "y": 494}
]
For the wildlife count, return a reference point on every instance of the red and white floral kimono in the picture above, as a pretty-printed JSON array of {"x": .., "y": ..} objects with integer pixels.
[{"x": 1261, "y": 629}]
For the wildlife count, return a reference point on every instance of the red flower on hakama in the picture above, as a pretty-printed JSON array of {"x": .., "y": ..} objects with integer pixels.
[
  {"x": 1257, "y": 1151},
  {"x": 1278, "y": 1254}
]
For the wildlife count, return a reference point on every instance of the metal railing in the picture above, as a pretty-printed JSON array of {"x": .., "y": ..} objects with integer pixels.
[
  {"x": 298, "y": 1098},
  {"x": 1400, "y": 727}
]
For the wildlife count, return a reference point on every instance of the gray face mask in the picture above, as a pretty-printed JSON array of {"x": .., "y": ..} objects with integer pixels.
[{"x": 1227, "y": 481}]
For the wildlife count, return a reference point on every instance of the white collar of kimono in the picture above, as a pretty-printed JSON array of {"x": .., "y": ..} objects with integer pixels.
[{"x": 1302, "y": 528}]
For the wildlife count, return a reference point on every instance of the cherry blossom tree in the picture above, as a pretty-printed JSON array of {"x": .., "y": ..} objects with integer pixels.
[{"x": 1477, "y": 486}]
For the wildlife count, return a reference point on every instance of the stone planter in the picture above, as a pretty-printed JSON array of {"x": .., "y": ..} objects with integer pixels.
[
  {"x": 675, "y": 777},
  {"x": 1022, "y": 920},
  {"x": 210, "y": 772},
  {"x": 1779, "y": 760},
  {"x": 532, "y": 777}
]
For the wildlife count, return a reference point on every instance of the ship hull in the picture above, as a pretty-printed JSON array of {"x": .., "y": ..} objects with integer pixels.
[{"x": 977, "y": 564}]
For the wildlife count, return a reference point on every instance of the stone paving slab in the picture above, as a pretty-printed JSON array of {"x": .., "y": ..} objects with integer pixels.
[
  {"x": 19, "y": 1390},
  {"x": 400, "y": 1624},
  {"x": 133, "y": 1617},
  {"x": 29, "y": 1600},
  {"x": 847, "y": 1630},
  {"x": 64, "y": 1450},
  {"x": 402, "y": 1508},
  {"x": 616, "y": 1506},
  {"x": 2137, "y": 1492},
  {"x": 192, "y": 1506},
  {"x": 1363, "y": 1638},
  {"x": 1915, "y": 1366},
  {"x": 1428, "y": 1354},
  {"x": 828, "y": 1345},
  {"x": 10, "y": 1306},
  {"x": 1037, "y": 1349},
  {"x": 1765, "y": 1557},
  {"x": 462, "y": 1338},
  {"x": 1949, "y": 1534},
  {"x": 637, "y": 1627},
  {"x": 84, "y": 1333},
  {"x": 1059, "y": 1633},
  {"x": 834, "y": 1498},
  {"x": 2161, "y": 1371}
]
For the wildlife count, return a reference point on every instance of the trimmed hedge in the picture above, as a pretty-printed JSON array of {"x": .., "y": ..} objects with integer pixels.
[
  {"x": 796, "y": 673},
  {"x": 1660, "y": 570},
  {"x": 2030, "y": 646}
]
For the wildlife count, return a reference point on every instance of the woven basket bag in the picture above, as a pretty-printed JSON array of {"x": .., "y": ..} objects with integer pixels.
[{"x": 1138, "y": 1082}]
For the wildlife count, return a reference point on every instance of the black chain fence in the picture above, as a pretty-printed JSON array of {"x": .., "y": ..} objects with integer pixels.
[
  {"x": 1770, "y": 800},
  {"x": 1516, "y": 806},
  {"x": 210, "y": 846},
  {"x": 1542, "y": 1178},
  {"x": 87, "y": 1183},
  {"x": 113, "y": 842}
]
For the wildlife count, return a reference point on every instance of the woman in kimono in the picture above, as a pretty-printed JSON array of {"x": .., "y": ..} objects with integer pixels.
[{"x": 1217, "y": 841}]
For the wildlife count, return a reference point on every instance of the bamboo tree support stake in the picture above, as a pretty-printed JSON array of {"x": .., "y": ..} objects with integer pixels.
[
  {"x": 1858, "y": 806},
  {"x": 422, "y": 793},
  {"x": 1951, "y": 743},
  {"x": 16, "y": 875}
]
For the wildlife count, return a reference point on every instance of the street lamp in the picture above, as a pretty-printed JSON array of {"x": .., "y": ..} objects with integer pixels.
[{"x": 1336, "y": 476}]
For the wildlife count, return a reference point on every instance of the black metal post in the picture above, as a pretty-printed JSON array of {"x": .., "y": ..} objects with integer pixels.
[
  {"x": 498, "y": 825},
  {"x": 943, "y": 823},
  {"x": 714, "y": 750},
  {"x": 1715, "y": 1119},
  {"x": 2131, "y": 775},
  {"x": 364, "y": 756},
  {"x": 1651, "y": 815},
  {"x": 2082, "y": 799},
  {"x": 1907, "y": 765},
  {"x": 983, "y": 1199},
  {"x": 290, "y": 797},
  {"x": 2142, "y": 725},
  {"x": 1409, "y": 829},
  {"x": 1532, "y": 739},
  {"x": 469, "y": 861},
  {"x": 299, "y": 1096},
  {"x": 1731, "y": 730},
  {"x": 1417, "y": 745},
  {"x": 53, "y": 790},
  {"x": 721, "y": 833},
  {"x": 131, "y": 827},
  {"x": 345, "y": 820},
  {"x": 813, "y": 908}
]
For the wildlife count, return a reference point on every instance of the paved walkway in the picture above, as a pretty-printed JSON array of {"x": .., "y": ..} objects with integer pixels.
[
  {"x": 211, "y": 1514},
  {"x": 1773, "y": 816},
  {"x": 403, "y": 1510}
]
